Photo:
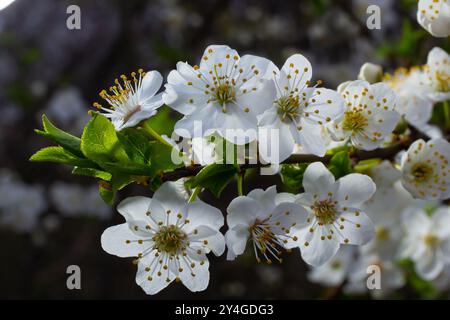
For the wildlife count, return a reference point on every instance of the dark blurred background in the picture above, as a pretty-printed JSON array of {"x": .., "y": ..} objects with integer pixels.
[{"x": 50, "y": 219}]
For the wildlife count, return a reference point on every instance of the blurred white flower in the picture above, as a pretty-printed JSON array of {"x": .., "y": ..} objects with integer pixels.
[
  {"x": 169, "y": 237},
  {"x": 369, "y": 116},
  {"x": 266, "y": 218},
  {"x": 434, "y": 16},
  {"x": 298, "y": 111},
  {"x": 133, "y": 100},
  {"x": 335, "y": 215},
  {"x": 68, "y": 109},
  {"x": 385, "y": 209},
  {"x": 413, "y": 100},
  {"x": 76, "y": 200},
  {"x": 391, "y": 276},
  {"x": 426, "y": 170},
  {"x": 437, "y": 70},
  {"x": 20, "y": 204},
  {"x": 442, "y": 281},
  {"x": 427, "y": 240},
  {"x": 335, "y": 271},
  {"x": 224, "y": 94}
]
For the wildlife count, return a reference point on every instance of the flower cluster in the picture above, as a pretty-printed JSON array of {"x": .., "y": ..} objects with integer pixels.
[
  {"x": 405, "y": 230},
  {"x": 170, "y": 237},
  {"x": 347, "y": 210}
]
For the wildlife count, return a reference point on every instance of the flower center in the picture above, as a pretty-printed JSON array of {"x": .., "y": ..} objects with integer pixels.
[
  {"x": 288, "y": 107},
  {"x": 354, "y": 121},
  {"x": 224, "y": 93},
  {"x": 443, "y": 82},
  {"x": 119, "y": 94},
  {"x": 336, "y": 265},
  {"x": 381, "y": 233},
  {"x": 265, "y": 241},
  {"x": 421, "y": 172},
  {"x": 325, "y": 211},
  {"x": 430, "y": 240},
  {"x": 170, "y": 239},
  {"x": 131, "y": 113}
]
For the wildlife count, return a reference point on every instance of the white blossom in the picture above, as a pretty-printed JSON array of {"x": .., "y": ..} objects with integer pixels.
[
  {"x": 427, "y": 240},
  {"x": 369, "y": 117},
  {"x": 169, "y": 237},
  {"x": 298, "y": 111},
  {"x": 434, "y": 16},
  {"x": 437, "y": 70},
  {"x": 385, "y": 209},
  {"x": 413, "y": 95},
  {"x": 133, "y": 100},
  {"x": 224, "y": 94},
  {"x": 73, "y": 199},
  {"x": 335, "y": 215},
  {"x": 20, "y": 204},
  {"x": 425, "y": 169},
  {"x": 266, "y": 218},
  {"x": 334, "y": 271},
  {"x": 391, "y": 276}
]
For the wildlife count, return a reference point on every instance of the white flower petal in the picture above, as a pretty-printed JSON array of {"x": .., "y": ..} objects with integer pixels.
[
  {"x": 297, "y": 71},
  {"x": 236, "y": 239},
  {"x": 358, "y": 228},
  {"x": 354, "y": 189},
  {"x": 151, "y": 83},
  {"x": 134, "y": 208},
  {"x": 317, "y": 251},
  {"x": 318, "y": 180},
  {"x": 120, "y": 241},
  {"x": 157, "y": 283},
  {"x": 170, "y": 197},
  {"x": 200, "y": 213},
  {"x": 429, "y": 266},
  {"x": 242, "y": 210}
]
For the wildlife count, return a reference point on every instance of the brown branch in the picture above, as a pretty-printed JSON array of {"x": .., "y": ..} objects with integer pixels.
[{"x": 382, "y": 153}]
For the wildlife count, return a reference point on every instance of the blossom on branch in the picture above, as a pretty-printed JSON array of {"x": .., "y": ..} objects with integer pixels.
[
  {"x": 335, "y": 216},
  {"x": 169, "y": 237},
  {"x": 369, "y": 115},
  {"x": 132, "y": 100}
]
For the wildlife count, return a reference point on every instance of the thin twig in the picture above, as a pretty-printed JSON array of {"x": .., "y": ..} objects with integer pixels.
[{"x": 382, "y": 153}]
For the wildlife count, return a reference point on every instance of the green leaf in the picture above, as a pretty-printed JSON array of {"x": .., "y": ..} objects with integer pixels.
[
  {"x": 120, "y": 181},
  {"x": 127, "y": 168},
  {"x": 60, "y": 155},
  {"x": 364, "y": 166},
  {"x": 94, "y": 173},
  {"x": 161, "y": 158},
  {"x": 108, "y": 190},
  {"x": 292, "y": 175},
  {"x": 214, "y": 177},
  {"x": 136, "y": 145},
  {"x": 99, "y": 141},
  {"x": 58, "y": 136},
  {"x": 340, "y": 164},
  {"x": 162, "y": 122},
  {"x": 106, "y": 193}
]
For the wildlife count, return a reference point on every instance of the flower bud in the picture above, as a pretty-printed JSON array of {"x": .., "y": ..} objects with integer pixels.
[{"x": 370, "y": 72}]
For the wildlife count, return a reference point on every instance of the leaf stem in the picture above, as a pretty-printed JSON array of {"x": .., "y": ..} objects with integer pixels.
[
  {"x": 240, "y": 182},
  {"x": 447, "y": 114},
  {"x": 195, "y": 194},
  {"x": 148, "y": 129}
]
